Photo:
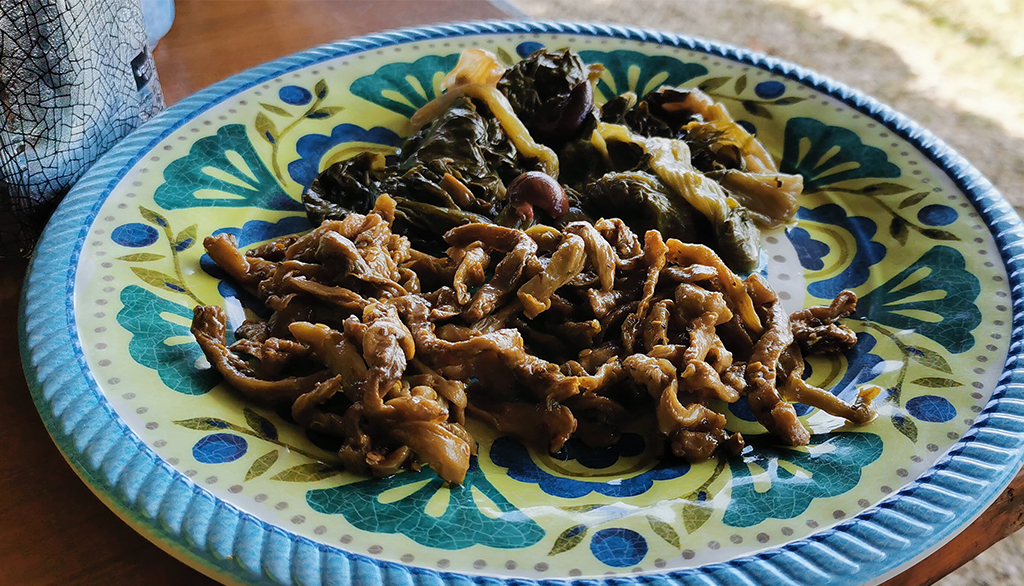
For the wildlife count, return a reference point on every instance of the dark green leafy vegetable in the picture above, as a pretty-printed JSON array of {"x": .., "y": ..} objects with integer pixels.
[
  {"x": 349, "y": 186},
  {"x": 464, "y": 152},
  {"x": 738, "y": 241},
  {"x": 469, "y": 145},
  {"x": 663, "y": 113},
  {"x": 551, "y": 93},
  {"x": 644, "y": 203},
  {"x": 458, "y": 169}
]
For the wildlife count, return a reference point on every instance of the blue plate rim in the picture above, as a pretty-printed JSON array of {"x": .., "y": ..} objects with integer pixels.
[{"x": 167, "y": 507}]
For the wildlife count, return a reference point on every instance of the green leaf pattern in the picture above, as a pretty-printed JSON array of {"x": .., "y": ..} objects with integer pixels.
[
  {"x": 405, "y": 87},
  {"x": 261, "y": 465},
  {"x": 652, "y": 71},
  {"x": 142, "y": 315},
  {"x": 826, "y": 472},
  {"x": 665, "y": 531},
  {"x": 569, "y": 539},
  {"x": 224, "y": 170},
  {"x": 308, "y": 472}
]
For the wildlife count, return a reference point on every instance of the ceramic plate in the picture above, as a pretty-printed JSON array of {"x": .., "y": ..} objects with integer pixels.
[{"x": 244, "y": 495}]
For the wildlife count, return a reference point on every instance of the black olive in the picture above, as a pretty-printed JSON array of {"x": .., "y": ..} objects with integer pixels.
[
  {"x": 579, "y": 104},
  {"x": 565, "y": 118}
]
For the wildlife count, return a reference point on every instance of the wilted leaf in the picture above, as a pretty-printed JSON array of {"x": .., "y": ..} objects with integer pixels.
[
  {"x": 261, "y": 465},
  {"x": 694, "y": 516},
  {"x": 141, "y": 257},
  {"x": 788, "y": 101},
  {"x": 913, "y": 199},
  {"x": 929, "y": 358},
  {"x": 320, "y": 89},
  {"x": 276, "y": 109},
  {"x": 160, "y": 280},
  {"x": 710, "y": 85},
  {"x": 936, "y": 234},
  {"x": 260, "y": 424},
  {"x": 309, "y": 472},
  {"x": 905, "y": 425},
  {"x": 664, "y": 531},
  {"x": 185, "y": 239},
  {"x": 883, "y": 189},
  {"x": 152, "y": 217},
  {"x": 937, "y": 382},
  {"x": 756, "y": 109},
  {"x": 569, "y": 539},
  {"x": 204, "y": 423},
  {"x": 741, "y": 84},
  {"x": 898, "y": 229},
  {"x": 325, "y": 112},
  {"x": 266, "y": 128}
]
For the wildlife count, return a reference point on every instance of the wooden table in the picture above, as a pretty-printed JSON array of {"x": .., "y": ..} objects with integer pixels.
[{"x": 53, "y": 531}]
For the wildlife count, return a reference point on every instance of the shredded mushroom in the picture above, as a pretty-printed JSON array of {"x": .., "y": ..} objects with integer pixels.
[{"x": 572, "y": 333}]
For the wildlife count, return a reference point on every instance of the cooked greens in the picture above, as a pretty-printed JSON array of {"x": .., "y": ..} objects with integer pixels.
[{"x": 672, "y": 161}]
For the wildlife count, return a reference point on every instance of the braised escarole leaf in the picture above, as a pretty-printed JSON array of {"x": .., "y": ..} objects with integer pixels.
[
  {"x": 674, "y": 161},
  {"x": 552, "y": 93}
]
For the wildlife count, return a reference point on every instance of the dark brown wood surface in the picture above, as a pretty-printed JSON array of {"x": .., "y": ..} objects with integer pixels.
[{"x": 53, "y": 530}]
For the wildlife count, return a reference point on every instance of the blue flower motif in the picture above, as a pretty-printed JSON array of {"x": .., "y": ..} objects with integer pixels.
[
  {"x": 312, "y": 148},
  {"x": 509, "y": 453},
  {"x": 823, "y": 222},
  {"x": 294, "y": 95},
  {"x": 937, "y": 215},
  {"x": 630, "y": 444},
  {"x": 826, "y": 472},
  {"x": 618, "y": 547},
  {"x": 931, "y": 408},
  {"x": 365, "y": 504},
  {"x": 861, "y": 366},
  {"x": 809, "y": 251},
  {"x": 134, "y": 235},
  {"x": 218, "y": 448},
  {"x": 770, "y": 89},
  {"x": 526, "y": 48},
  {"x": 748, "y": 126}
]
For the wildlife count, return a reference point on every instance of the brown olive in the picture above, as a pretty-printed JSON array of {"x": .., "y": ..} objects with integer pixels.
[{"x": 538, "y": 189}]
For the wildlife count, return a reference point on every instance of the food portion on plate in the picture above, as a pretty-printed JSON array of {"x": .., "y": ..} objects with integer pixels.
[
  {"x": 674, "y": 161},
  {"x": 548, "y": 266}
]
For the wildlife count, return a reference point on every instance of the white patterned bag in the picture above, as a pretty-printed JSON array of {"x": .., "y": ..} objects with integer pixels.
[{"x": 75, "y": 78}]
